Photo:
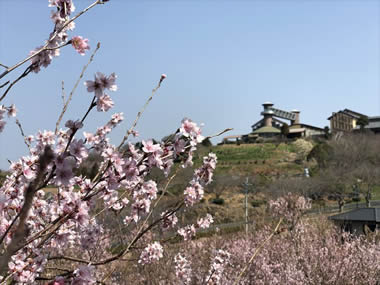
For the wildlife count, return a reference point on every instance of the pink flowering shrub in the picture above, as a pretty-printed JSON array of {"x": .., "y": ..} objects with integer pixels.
[{"x": 312, "y": 252}]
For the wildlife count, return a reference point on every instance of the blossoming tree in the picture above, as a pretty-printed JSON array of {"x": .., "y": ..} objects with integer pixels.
[{"x": 58, "y": 237}]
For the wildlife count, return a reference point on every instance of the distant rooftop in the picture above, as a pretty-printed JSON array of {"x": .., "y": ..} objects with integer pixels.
[
  {"x": 266, "y": 130},
  {"x": 362, "y": 214}
]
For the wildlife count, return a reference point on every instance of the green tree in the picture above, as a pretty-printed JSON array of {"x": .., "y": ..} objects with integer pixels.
[
  {"x": 285, "y": 130},
  {"x": 362, "y": 122}
]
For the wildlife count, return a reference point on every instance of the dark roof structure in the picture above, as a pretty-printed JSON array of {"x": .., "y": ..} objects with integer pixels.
[
  {"x": 260, "y": 123},
  {"x": 361, "y": 214},
  {"x": 348, "y": 112},
  {"x": 305, "y": 126}
]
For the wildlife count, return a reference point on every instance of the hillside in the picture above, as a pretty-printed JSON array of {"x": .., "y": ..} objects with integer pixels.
[{"x": 261, "y": 163}]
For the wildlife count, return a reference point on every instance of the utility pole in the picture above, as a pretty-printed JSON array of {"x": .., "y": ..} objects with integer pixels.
[{"x": 246, "y": 188}]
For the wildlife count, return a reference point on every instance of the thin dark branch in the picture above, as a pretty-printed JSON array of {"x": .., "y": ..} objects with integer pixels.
[
  {"x": 24, "y": 74},
  {"x": 22, "y": 133},
  {"x": 6, "y": 83}
]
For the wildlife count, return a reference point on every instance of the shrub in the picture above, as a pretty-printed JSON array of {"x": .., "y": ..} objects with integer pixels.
[{"x": 218, "y": 201}]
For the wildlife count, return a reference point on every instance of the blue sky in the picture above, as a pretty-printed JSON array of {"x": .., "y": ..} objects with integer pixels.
[{"x": 223, "y": 60}]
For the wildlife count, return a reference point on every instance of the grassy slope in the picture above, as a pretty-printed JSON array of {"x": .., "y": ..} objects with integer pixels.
[
  {"x": 252, "y": 159},
  {"x": 263, "y": 161}
]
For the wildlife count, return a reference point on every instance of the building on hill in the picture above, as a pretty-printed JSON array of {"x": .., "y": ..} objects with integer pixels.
[
  {"x": 373, "y": 124},
  {"x": 344, "y": 121},
  {"x": 272, "y": 122},
  {"x": 347, "y": 121}
]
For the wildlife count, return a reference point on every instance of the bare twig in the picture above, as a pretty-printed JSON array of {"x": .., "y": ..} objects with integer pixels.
[
  {"x": 257, "y": 251},
  {"x": 139, "y": 114},
  {"x": 22, "y": 133},
  {"x": 66, "y": 104},
  {"x": 2, "y": 65},
  {"x": 218, "y": 134},
  {"x": 63, "y": 95},
  {"x": 58, "y": 47}
]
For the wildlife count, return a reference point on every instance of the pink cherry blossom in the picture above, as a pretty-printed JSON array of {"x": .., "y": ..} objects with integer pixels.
[
  {"x": 182, "y": 269},
  {"x": 153, "y": 252},
  {"x": 193, "y": 193},
  {"x": 101, "y": 83},
  {"x": 187, "y": 232},
  {"x": 80, "y": 44},
  {"x": 12, "y": 111},
  {"x": 150, "y": 147},
  {"x": 84, "y": 275},
  {"x": 104, "y": 103},
  {"x": 205, "y": 222}
]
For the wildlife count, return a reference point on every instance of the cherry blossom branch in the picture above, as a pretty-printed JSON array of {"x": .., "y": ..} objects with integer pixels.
[
  {"x": 10, "y": 226},
  {"x": 141, "y": 232},
  {"x": 45, "y": 47},
  {"x": 44, "y": 184},
  {"x": 123, "y": 252},
  {"x": 20, "y": 231},
  {"x": 139, "y": 114},
  {"x": 257, "y": 251},
  {"x": 74, "y": 88}
]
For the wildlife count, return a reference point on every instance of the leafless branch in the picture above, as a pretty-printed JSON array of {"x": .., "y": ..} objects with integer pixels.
[
  {"x": 219, "y": 134},
  {"x": 22, "y": 133},
  {"x": 24, "y": 74},
  {"x": 63, "y": 95},
  {"x": 6, "y": 83},
  {"x": 139, "y": 115}
]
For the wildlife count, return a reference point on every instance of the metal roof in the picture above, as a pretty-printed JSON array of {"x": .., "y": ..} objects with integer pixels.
[
  {"x": 362, "y": 214},
  {"x": 284, "y": 114},
  {"x": 296, "y": 130},
  {"x": 266, "y": 130},
  {"x": 373, "y": 125},
  {"x": 295, "y": 126},
  {"x": 232, "y": 137}
]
